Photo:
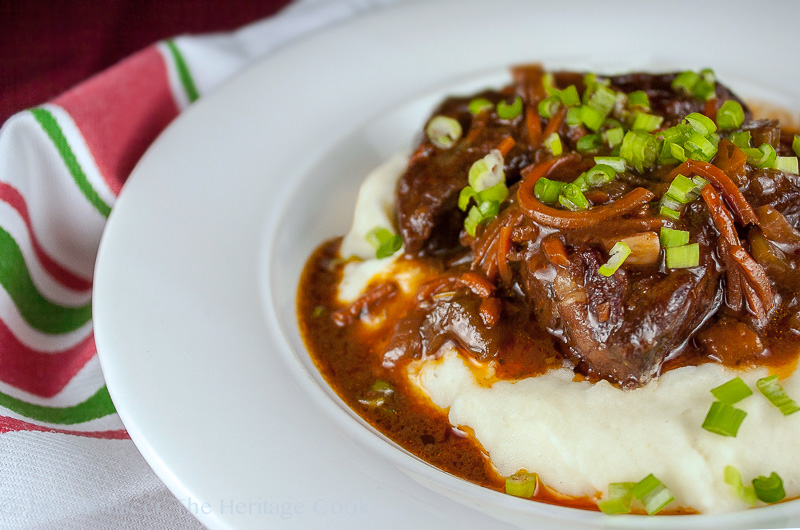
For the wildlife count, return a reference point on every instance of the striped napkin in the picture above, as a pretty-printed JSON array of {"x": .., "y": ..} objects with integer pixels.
[{"x": 67, "y": 461}]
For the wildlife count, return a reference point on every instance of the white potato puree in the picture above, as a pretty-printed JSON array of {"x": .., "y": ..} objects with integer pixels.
[{"x": 578, "y": 436}]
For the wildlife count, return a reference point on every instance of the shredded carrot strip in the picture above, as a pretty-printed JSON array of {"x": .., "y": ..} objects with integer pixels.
[
  {"x": 503, "y": 246},
  {"x": 490, "y": 310},
  {"x": 547, "y": 215},
  {"x": 533, "y": 124},
  {"x": 506, "y": 145},
  {"x": 721, "y": 216},
  {"x": 554, "y": 249},
  {"x": 477, "y": 284},
  {"x": 744, "y": 212},
  {"x": 555, "y": 122}
]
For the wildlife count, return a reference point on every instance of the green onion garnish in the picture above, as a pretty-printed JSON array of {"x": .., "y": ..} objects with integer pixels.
[
  {"x": 653, "y": 493},
  {"x": 685, "y": 82},
  {"x": 701, "y": 123},
  {"x": 772, "y": 389},
  {"x": 699, "y": 147},
  {"x": 616, "y": 163},
  {"x": 787, "y": 164},
  {"x": 666, "y": 211},
  {"x": 507, "y": 111},
  {"x": 682, "y": 189},
  {"x": 639, "y": 98},
  {"x": 701, "y": 85},
  {"x": 602, "y": 99},
  {"x": 522, "y": 484},
  {"x": 385, "y": 242},
  {"x": 553, "y": 143},
  {"x": 619, "y": 498},
  {"x": 740, "y": 139},
  {"x": 443, "y": 131},
  {"x": 763, "y": 157},
  {"x": 487, "y": 172},
  {"x": 619, "y": 253},
  {"x": 573, "y": 198},
  {"x": 646, "y": 122},
  {"x": 769, "y": 489},
  {"x": 597, "y": 176},
  {"x": 569, "y": 96},
  {"x": 733, "y": 391},
  {"x": 683, "y": 257},
  {"x": 730, "y": 115},
  {"x": 464, "y": 198},
  {"x": 496, "y": 193},
  {"x": 549, "y": 106},
  {"x": 591, "y": 117},
  {"x": 796, "y": 145},
  {"x": 547, "y": 191},
  {"x": 613, "y": 137},
  {"x": 723, "y": 419},
  {"x": 639, "y": 149},
  {"x": 734, "y": 479},
  {"x": 573, "y": 118},
  {"x": 589, "y": 143},
  {"x": 673, "y": 238},
  {"x": 478, "y": 105}
]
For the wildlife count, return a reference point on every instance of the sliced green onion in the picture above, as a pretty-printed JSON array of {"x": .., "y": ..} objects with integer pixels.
[
  {"x": 730, "y": 115},
  {"x": 592, "y": 118},
  {"x": 602, "y": 99},
  {"x": 699, "y": 183},
  {"x": 522, "y": 484},
  {"x": 619, "y": 498},
  {"x": 616, "y": 163},
  {"x": 496, "y": 193},
  {"x": 619, "y": 253},
  {"x": 653, "y": 493},
  {"x": 762, "y": 157},
  {"x": 573, "y": 198},
  {"x": 639, "y": 98},
  {"x": 682, "y": 189},
  {"x": 569, "y": 96},
  {"x": 549, "y": 106},
  {"x": 734, "y": 479},
  {"x": 489, "y": 210},
  {"x": 699, "y": 147},
  {"x": 723, "y": 419},
  {"x": 672, "y": 135},
  {"x": 733, "y": 391},
  {"x": 443, "y": 131},
  {"x": 589, "y": 143},
  {"x": 685, "y": 82},
  {"x": 672, "y": 153},
  {"x": 506, "y": 111},
  {"x": 646, "y": 122},
  {"x": 385, "y": 242},
  {"x": 478, "y": 105},
  {"x": 769, "y": 489},
  {"x": 553, "y": 144},
  {"x": 787, "y": 164},
  {"x": 574, "y": 116},
  {"x": 740, "y": 139},
  {"x": 671, "y": 202},
  {"x": 613, "y": 137},
  {"x": 666, "y": 211},
  {"x": 796, "y": 145},
  {"x": 487, "y": 171},
  {"x": 600, "y": 174},
  {"x": 683, "y": 257},
  {"x": 639, "y": 149},
  {"x": 473, "y": 219},
  {"x": 467, "y": 194},
  {"x": 701, "y": 123},
  {"x": 705, "y": 88},
  {"x": 773, "y": 391},
  {"x": 673, "y": 238},
  {"x": 547, "y": 191}
]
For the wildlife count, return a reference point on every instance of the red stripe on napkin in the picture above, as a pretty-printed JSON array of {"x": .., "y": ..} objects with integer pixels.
[
  {"x": 11, "y": 424},
  {"x": 14, "y": 198},
  {"x": 121, "y": 111},
  {"x": 44, "y": 374}
]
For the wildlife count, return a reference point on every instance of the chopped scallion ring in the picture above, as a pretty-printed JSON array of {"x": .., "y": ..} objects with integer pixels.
[
  {"x": 796, "y": 145},
  {"x": 466, "y": 195},
  {"x": 646, "y": 122},
  {"x": 699, "y": 147},
  {"x": 673, "y": 238},
  {"x": 639, "y": 98},
  {"x": 616, "y": 163},
  {"x": 589, "y": 143},
  {"x": 553, "y": 143},
  {"x": 653, "y": 493},
  {"x": 592, "y": 118},
  {"x": 487, "y": 172},
  {"x": 683, "y": 257},
  {"x": 700, "y": 123},
  {"x": 573, "y": 118},
  {"x": 670, "y": 213},
  {"x": 613, "y": 137},
  {"x": 685, "y": 82},
  {"x": 769, "y": 489},
  {"x": 730, "y": 115},
  {"x": 619, "y": 253},
  {"x": 701, "y": 85},
  {"x": 478, "y": 105},
  {"x": 547, "y": 191},
  {"x": 774, "y": 392},
  {"x": 734, "y": 479},
  {"x": 386, "y": 242},
  {"x": 763, "y": 157},
  {"x": 569, "y": 96},
  {"x": 573, "y": 198},
  {"x": 724, "y": 419},
  {"x": 547, "y": 107},
  {"x": 506, "y": 111},
  {"x": 443, "y": 131},
  {"x": 741, "y": 139},
  {"x": 496, "y": 193},
  {"x": 787, "y": 164},
  {"x": 619, "y": 498},
  {"x": 639, "y": 149},
  {"x": 602, "y": 99},
  {"x": 522, "y": 484},
  {"x": 682, "y": 189},
  {"x": 733, "y": 391}
]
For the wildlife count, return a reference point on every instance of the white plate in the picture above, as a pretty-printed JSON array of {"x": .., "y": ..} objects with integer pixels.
[{"x": 198, "y": 267}]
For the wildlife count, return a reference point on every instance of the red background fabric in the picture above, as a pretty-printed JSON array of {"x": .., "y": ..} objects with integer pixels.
[{"x": 48, "y": 47}]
